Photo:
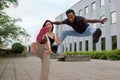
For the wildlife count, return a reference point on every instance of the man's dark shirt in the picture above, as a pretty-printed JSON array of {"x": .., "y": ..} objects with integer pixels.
[{"x": 78, "y": 25}]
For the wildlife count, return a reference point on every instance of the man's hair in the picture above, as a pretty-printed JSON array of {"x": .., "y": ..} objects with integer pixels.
[{"x": 70, "y": 11}]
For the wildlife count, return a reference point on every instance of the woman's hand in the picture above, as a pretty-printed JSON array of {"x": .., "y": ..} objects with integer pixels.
[
  {"x": 48, "y": 52},
  {"x": 57, "y": 39}
]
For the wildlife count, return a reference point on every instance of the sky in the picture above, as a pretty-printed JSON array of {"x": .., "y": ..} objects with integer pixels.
[{"x": 34, "y": 12}]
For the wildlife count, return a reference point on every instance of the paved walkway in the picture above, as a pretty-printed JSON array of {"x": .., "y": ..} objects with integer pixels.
[{"x": 29, "y": 69}]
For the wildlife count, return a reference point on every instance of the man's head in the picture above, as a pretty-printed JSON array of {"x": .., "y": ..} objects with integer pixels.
[{"x": 70, "y": 15}]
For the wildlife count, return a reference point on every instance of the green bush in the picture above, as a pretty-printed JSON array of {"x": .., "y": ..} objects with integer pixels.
[
  {"x": 2, "y": 53},
  {"x": 114, "y": 55},
  {"x": 18, "y": 48},
  {"x": 104, "y": 56},
  {"x": 109, "y": 55}
]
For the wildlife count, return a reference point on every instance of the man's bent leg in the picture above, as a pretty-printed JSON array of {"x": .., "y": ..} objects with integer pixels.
[
  {"x": 69, "y": 33},
  {"x": 89, "y": 31}
]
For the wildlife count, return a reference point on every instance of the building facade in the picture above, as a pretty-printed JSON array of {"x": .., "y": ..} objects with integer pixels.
[{"x": 94, "y": 9}]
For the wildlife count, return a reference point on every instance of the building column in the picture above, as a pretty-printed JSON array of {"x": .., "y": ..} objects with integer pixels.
[
  {"x": 118, "y": 22},
  {"x": 108, "y": 28}
]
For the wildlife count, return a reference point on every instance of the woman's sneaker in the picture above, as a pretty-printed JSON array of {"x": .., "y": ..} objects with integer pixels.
[
  {"x": 40, "y": 37},
  {"x": 97, "y": 35}
]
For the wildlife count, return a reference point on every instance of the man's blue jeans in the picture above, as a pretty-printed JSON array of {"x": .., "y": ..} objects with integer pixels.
[{"x": 88, "y": 32}]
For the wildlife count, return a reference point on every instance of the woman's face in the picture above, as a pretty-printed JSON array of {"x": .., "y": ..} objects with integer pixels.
[{"x": 49, "y": 25}]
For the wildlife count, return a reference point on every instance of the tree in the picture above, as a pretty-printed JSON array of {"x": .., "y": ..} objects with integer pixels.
[
  {"x": 9, "y": 31},
  {"x": 18, "y": 48},
  {"x": 6, "y": 3}
]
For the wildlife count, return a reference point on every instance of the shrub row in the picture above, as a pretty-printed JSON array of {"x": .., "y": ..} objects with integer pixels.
[
  {"x": 2, "y": 53},
  {"x": 106, "y": 55},
  {"x": 17, "y": 48}
]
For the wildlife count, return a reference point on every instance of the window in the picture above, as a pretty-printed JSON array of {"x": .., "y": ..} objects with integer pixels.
[
  {"x": 94, "y": 25},
  {"x": 75, "y": 47},
  {"x": 102, "y": 25},
  {"x": 80, "y": 13},
  {"x": 66, "y": 47},
  {"x": 86, "y": 10},
  {"x": 94, "y": 47},
  {"x": 62, "y": 48},
  {"x": 76, "y": 14},
  {"x": 111, "y": 0},
  {"x": 102, "y": 3},
  {"x": 70, "y": 46},
  {"x": 93, "y": 6},
  {"x": 80, "y": 45},
  {"x": 113, "y": 17},
  {"x": 103, "y": 43},
  {"x": 114, "y": 42},
  {"x": 86, "y": 45}
]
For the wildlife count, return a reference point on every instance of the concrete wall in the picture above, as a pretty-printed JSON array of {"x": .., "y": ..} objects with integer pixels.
[{"x": 108, "y": 30}]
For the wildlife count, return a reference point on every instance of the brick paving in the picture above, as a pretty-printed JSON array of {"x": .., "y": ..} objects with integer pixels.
[{"x": 29, "y": 69}]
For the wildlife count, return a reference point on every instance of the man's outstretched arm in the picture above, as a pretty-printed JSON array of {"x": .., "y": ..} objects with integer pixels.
[
  {"x": 57, "y": 22},
  {"x": 102, "y": 21}
]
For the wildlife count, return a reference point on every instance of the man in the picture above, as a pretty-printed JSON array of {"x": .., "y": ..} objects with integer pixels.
[{"x": 80, "y": 26}]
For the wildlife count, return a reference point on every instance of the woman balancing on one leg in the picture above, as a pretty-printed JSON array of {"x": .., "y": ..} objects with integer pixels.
[{"x": 45, "y": 40}]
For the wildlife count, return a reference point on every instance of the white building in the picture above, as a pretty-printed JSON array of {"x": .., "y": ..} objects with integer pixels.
[{"x": 94, "y": 9}]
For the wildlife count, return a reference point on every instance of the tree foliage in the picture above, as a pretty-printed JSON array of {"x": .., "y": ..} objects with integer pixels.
[
  {"x": 18, "y": 48},
  {"x": 6, "y": 3},
  {"x": 9, "y": 31}
]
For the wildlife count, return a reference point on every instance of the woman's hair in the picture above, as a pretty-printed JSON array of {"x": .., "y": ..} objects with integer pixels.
[{"x": 50, "y": 22}]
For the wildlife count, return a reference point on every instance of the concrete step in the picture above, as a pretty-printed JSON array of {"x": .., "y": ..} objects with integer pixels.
[{"x": 74, "y": 58}]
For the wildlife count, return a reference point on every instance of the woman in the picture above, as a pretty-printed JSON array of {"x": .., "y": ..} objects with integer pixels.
[{"x": 43, "y": 49}]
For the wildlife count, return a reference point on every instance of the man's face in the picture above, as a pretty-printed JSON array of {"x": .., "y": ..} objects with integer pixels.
[{"x": 71, "y": 17}]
